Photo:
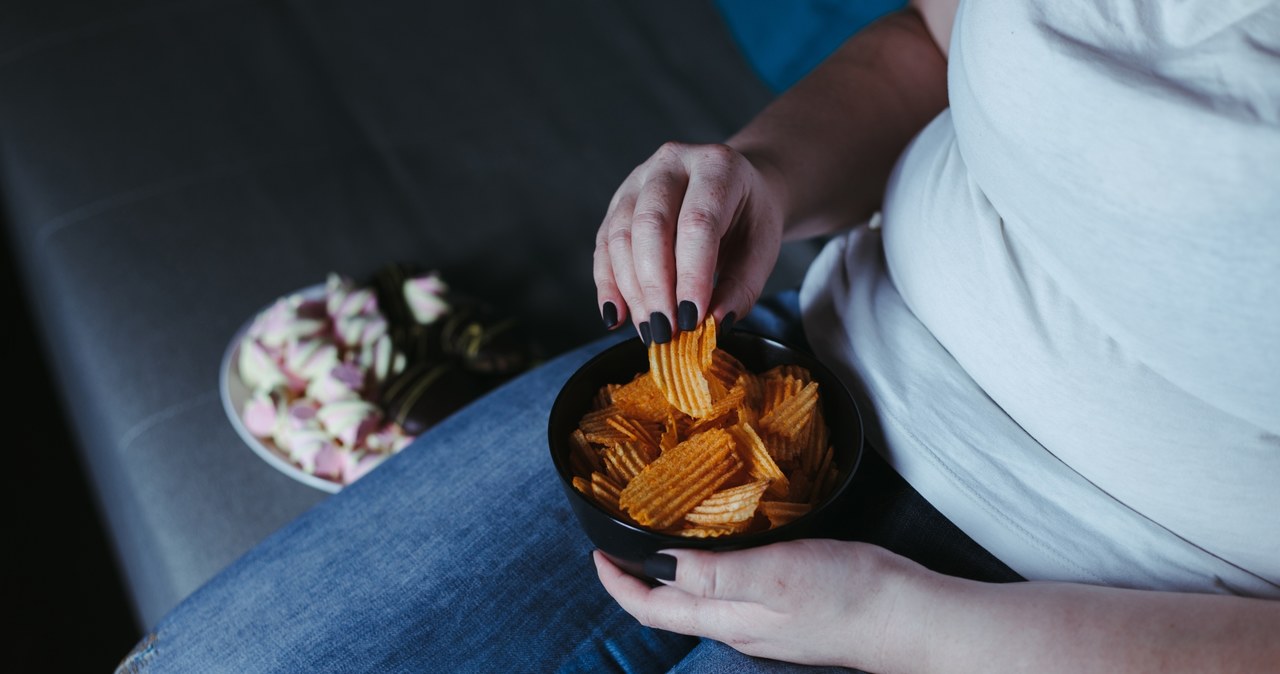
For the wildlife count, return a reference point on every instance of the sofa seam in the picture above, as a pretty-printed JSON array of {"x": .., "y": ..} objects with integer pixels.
[{"x": 157, "y": 418}]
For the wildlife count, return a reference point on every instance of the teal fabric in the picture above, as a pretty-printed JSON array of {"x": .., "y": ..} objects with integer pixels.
[{"x": 784, "y": 40}]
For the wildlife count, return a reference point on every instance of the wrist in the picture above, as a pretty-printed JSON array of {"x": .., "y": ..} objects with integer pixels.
[{"x": 904, "y": 608}]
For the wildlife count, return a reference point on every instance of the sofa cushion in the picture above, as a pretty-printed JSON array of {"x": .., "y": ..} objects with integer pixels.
[{"x": 169, "y": 168}]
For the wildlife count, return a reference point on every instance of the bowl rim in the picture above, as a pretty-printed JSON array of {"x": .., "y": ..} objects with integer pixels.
[{"x": 734, "y": 540}]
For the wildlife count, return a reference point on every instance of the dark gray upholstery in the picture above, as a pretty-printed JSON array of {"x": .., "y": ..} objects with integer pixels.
[{"x": 167, "y": 168}]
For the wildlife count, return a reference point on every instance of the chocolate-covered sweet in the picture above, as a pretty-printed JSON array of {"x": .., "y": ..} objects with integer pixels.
[
  {"x": 427, "y": 392},
  {"x": 485, "y": 341},
  {"x": 456, "y": 347},
  {"x": 417, "y": 341}
]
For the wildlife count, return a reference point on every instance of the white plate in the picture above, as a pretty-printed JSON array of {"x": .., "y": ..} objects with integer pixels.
[{"x": 235, "y": 392}]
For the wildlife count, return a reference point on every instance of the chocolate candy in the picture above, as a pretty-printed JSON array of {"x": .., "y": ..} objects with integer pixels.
[{"x": 470, "y": 349}]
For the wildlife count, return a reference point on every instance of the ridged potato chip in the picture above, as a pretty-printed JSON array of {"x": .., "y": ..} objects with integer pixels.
[
  {"x": 583, "y": 458},
  {"x": 759, "y": 464},
  {"x": 610, "y": 426},
  {"x": 722, "y": 410},
  {"x": 725, "y": 368},
  {"x": 792, "y": 415},
  {"x": 734, "y": 505},
  {"x": 604, "y": 397},
  {"x": 643, "y": 432},
  {"x": 671, "y": 433},
  {"x": 710, "y": 531},
  {"x": 680, "y": 479},
  {"x": 606, "y": 491},
  {"x": 788, "y": 372},
  {"x": 780, "y": 512},
  {"x": 641, "y": 399},
  {"x": 677, "y": 370},
  {"x": 695, "y": 445},
  {"x": 625, "y": 461}
]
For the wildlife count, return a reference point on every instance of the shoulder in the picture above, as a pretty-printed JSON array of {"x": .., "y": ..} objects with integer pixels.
[{"x": 938, "y": 16}]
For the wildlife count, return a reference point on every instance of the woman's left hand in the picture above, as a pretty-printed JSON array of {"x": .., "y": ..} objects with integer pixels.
[{"x": 810, "y": 601}]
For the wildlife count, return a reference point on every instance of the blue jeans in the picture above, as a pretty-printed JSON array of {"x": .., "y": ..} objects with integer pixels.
[{"x": 458, "y": 555}]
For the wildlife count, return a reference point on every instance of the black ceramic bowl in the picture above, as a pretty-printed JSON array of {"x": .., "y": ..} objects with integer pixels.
[{"x": 628, "y": 544}]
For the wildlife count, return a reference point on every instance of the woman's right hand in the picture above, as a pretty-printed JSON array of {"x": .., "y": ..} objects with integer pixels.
[{"x": 693, "y": 231}]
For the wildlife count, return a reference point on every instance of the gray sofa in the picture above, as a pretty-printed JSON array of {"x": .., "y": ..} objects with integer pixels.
[{"x": 167, "y": 168}]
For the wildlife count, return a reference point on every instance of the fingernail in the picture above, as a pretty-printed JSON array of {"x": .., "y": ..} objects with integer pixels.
[
  {"x": 660, "y": 327},
  {"x": 644, "y": 334},
  {"x": 660, "y": 566},
  {"x": 687, "y": 315},
  {"x": 726, "y": 324},
  {"x": 610, "y": 315}
]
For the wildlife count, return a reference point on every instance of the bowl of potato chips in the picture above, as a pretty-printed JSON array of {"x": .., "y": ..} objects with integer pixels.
[{"x": 710, "y": 441}]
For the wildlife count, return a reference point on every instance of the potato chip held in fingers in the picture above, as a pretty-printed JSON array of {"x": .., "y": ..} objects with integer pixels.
[{"x": 676, "y": 368}]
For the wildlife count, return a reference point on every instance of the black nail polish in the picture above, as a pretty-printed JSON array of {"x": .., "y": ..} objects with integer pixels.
[
  {"x": 644, "y": 334},
  {"x": 660, "y": 566},
  {"x": 687, "y": 315},
  {"x": 726, "y": 323},
  {"x": 660, "y": 327},
  {"x": 610, "y": 315}
]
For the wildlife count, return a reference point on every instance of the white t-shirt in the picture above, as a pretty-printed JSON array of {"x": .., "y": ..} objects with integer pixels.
[{"x": 1067, "y": 332}]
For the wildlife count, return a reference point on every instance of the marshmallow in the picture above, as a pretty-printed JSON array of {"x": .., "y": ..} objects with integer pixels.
[
  {"x": 280, "y": 324},
  {"x": 258, "y": 367},
  {"x": 329, "y": 461},
  {"x": 359, "y": 467},
  {"x": 310, "y": 361},
  {"x": 260, "y": 415},
  {"x": 349, "y": 421},
  {"x": 359, "y": 330},
  {"x": 381, "y": 359},
  {"x": 310, "y": 358},
  {"x": 425, "y": 297}
]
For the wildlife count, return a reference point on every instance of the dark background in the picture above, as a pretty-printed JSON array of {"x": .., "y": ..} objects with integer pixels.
[{"x": 65, "y": 594}]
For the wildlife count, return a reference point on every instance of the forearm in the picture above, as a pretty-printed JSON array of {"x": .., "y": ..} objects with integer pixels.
[
  {"x": 828, "y": 144},
  {"x": 956, "y": 625}
]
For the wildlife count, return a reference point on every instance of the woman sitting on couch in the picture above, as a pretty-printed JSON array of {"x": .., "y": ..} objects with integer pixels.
[{"x": 1063, "y": 327}]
